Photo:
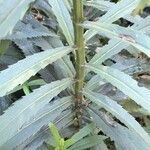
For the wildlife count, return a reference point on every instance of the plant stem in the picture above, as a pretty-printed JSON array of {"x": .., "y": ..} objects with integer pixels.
[{"x": 80, "y": 55}]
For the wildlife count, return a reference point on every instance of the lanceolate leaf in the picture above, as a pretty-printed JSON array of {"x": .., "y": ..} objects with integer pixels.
[
  {"x": 17, "y": 116},
  {"x": 87, "y": 142},
  {"x": 11, "y": 12},
  {"x": 130, "y": 36},
  {"x": 121, "y": 9},
  {"x": 124, "y": 138},
  {"x": 101, "y": 5},
  {"x": 48, "y": 114},
  {"x": 55, "y": 133},
  {"x": 118, "y": 10},
  {"x": 24, "y": 69},
  {"x": 124, "y": 83},
  {"x": 116, "y": 45},
  {"x": 64, "y": 19},
  {"x": 118, "y": 112},
  {"x": 81, "y": 134}
]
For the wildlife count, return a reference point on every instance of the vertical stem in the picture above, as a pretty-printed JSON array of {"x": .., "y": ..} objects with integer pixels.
[{"x": 80, "y": 55}]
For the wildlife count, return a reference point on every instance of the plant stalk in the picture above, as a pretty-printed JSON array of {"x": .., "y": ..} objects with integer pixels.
[{"x": 78, "y": 18}]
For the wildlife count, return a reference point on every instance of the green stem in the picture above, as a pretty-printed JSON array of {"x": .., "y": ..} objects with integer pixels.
[{"x": 80, "y": 55}]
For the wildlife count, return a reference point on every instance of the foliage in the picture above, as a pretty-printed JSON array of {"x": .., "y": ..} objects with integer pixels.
[
  {"x": 68, "y": 80},
  {"x": 141, "y": 6}
]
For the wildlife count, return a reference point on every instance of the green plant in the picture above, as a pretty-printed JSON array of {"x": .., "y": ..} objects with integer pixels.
[
  {"x": 72, "y": 97},
  {"x": 141, "y": 6}
]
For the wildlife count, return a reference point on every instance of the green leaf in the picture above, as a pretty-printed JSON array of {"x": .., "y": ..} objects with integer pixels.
[
  {"x": 124, "y": 138},
  {"x": 133, "y": 37},
  {"x": 36, "y": 82},
  {"x": 114, "y": 46},
  {"x": 119, "y": 10},
  {"x": 28, "y": 132},
  {"x": 87, "y": 142},
  {"x": 139, "y": 9},
  {"x": 115, "y": 12},
  {"x": 68, "y": 5},
  {"x": 25, "y": 88},
  {"x": 4, "y": 44},
  {"x": 94, "y": 83},
  {"x": 55, "y": 133},
  {"x": 47, "y": 114},
  {"x": 124, "y": 83},
  {"x": 12, "y": 121},
  {"x": 11, "y": 12},
  {"x": 101, "y": 5},
  {"x": 64, "y": 19},
  {"x": 21, "y": 71},
  {"x": 82, "y": 133},
  {"x": 120, "y": 113},
  {"x": 130, "y": 106}
]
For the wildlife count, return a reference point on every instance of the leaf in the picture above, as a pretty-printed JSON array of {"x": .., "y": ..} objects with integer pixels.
[
  {"x": 25, "y": 88},
  {"x": 24, "y": 69},
  {"x": 4, "y": 44},
  {"x": 55, "y": 133},
  {"x": 64, "y": 19},
  {"x": 68, "y": 5},
  {"x": 36, "y": 82},
  {"x": 13, "y": 120},
  {"x": 130, "y": 36},
  {"x": 47, "y": 114},
  {"x": 117, "y": 11},
  {"x": 11, "y": 9},
  {"x": 116, "y": 110},
  {"x": 124, "y": 83},
  {"x": 101, "y": 146},
  {"x": 116, "y": 45},
  {"x": 130, "y": 106},
  {"x": 139, "y": 9},
  {"x": 101, "y": 5},
  {"x": 23, "y": 31},
  {"x": 5, "y": 102},
  {"x": 87, "y": 142},
  {"x": 64, "y": 64},
  {"x": 122, "y": 136},
  {"x": 81, "y": 134}
]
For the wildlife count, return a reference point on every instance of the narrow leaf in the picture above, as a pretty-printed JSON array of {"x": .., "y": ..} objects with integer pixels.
[
  {"x": 130, "y": 36},
  {"x": 13, "y": 120},
  {"x": 101, "y": 5},
  {"x": 55, "y": 133},
  {"x": 64, "y": 19},
  {"x": 118, "y": 112},
  {"x": 82, "y": 133},
  {"x": 24, "y": 69},
  {"x": 11, "y": 9},
  {"x": 116, "y": 45},
  {"x": 87, "y": 142},
  {"x": 124, "y": 83},
  {"x": 43, "y": 117},
  {"x": 122, "y": 136},
  {"x": 121, "y": 9}
]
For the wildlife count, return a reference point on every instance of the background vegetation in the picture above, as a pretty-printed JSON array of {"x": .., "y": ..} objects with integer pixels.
[{"x": 74, "y": 75}]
